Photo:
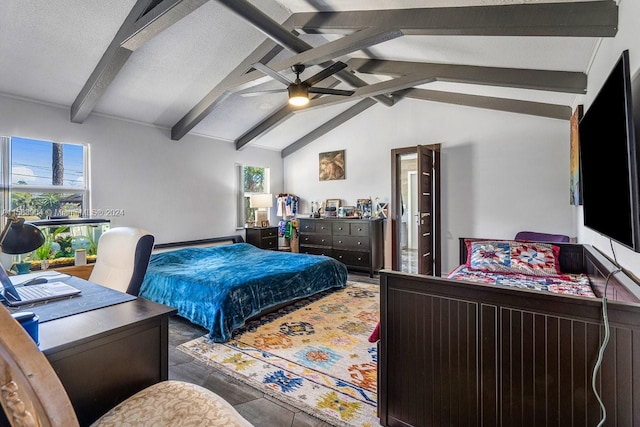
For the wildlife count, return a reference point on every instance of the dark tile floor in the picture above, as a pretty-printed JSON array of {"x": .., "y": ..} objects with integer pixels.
[{"x": 258, "y": 408}]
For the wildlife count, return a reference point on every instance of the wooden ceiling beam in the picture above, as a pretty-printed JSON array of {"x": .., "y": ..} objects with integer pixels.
[
  {"x": 553, "y": 81},
  {"x": 553, "y": 111},
  {"x": 568, "y": 19},
  {"x": 146, "y": 19},
  {"x": 158, "y": 19},
  {"x": 288, "y": 39}
]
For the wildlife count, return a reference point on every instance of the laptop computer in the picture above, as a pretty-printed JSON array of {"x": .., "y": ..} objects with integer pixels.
[{"x": 21, "y": 295}]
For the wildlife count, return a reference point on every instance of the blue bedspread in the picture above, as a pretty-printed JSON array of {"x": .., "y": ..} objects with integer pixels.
[{"x": 220, "y": 287}]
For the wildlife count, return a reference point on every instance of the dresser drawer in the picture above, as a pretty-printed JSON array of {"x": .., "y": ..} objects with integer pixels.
[
  {"x": 269, "y": 242},
  {"x": 269, "y": 232},
  {"x": 359, "y": 229},
  {"x": 351, "y": 242},
  {"x": 355, "y": 259},
  {"x": 346, "y": 228},
  {"x": 340, "y": 228},
  {"x": 315, "y": 239},
  {"x": 307, "y": 226},
  {"x": 315, "y": 226},
  {"x": 316, "y": 250}
]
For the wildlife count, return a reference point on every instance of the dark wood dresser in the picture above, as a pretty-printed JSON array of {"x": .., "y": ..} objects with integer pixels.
[{"x": 358, "y": 243}]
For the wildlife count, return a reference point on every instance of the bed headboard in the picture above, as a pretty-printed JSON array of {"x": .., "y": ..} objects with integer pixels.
[
  {"x": 201, "y": 243},
  {"x": 579, "y": 258}
]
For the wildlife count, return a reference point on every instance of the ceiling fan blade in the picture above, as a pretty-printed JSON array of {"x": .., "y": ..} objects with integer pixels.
[
  {"x": 272, "y": 73},
  {"x": 262, "y": 92},
  {"x": 328, "y": 91},
  {"x": 325, "y": 73}
]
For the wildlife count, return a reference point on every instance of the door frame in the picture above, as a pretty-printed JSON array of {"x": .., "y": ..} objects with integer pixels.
[{"x": 395, "y": 214}]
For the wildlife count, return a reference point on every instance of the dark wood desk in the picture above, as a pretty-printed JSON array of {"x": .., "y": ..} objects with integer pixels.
[{"x": 105, "y": 355}]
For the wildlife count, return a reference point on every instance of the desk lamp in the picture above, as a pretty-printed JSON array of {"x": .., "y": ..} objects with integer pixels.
[
  {"x": 19, "y": 238},
  {"x": 261, "y": 202}
]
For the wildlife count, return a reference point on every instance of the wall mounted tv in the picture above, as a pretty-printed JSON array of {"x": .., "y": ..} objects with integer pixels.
[{"x": 609, "y": 158}]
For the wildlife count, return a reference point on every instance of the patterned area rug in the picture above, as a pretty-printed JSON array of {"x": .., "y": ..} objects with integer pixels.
[{"x": 313, "y": 355}]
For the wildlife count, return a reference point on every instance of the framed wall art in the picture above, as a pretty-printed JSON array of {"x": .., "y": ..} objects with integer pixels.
[{"x": 331, "y": 165}]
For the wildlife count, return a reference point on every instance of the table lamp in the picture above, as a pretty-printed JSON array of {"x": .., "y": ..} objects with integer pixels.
[
  {"x": 18, "y": 238},
  {"x": 261, "y": 202}
]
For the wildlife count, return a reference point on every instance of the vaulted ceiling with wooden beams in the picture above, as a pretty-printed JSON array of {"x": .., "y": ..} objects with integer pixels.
[{"x": 198, "y": 66}]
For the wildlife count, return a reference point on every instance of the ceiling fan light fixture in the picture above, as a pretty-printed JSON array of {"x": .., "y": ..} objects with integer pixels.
[{"x": 298, "y": 95}]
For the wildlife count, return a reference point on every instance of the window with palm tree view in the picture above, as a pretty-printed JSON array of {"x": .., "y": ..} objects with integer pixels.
[
  {"x": 251, "y": 180},
  {"x": 47, "y": 179}
]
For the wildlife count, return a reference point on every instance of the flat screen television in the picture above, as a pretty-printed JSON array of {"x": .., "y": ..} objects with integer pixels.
[{"x": 609, "y": 158}]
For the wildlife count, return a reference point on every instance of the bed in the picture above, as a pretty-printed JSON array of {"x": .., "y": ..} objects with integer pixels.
[
  {"x": 220, "y": 287},
  {"x": 470, "y": 352}
]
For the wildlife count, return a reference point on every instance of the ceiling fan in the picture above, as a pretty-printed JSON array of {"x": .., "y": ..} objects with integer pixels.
[{"x": 299, "y": 90}]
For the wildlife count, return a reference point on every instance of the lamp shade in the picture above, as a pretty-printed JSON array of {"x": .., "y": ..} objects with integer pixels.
[
  {"x": 261, "y": 200},
  {"x": 22, "y": 238}
]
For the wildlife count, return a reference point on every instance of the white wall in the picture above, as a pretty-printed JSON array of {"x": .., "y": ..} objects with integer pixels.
[
  {"x": 178, "y": 190},
  {"x": 501, "y": 172},
  {"x": 628, "y": 37}
]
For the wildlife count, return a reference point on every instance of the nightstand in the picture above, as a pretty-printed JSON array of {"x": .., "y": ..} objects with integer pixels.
[{"x": 263, "y": 237}]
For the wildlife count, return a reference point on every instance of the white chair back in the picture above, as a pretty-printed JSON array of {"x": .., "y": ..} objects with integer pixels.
[{"x": 123, "y": 257}]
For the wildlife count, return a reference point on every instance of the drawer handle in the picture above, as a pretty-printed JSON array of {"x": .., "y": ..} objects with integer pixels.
[
  {"x": 339, "y": 228},
  {"x": 322, "y": 240},
  {"x": 359, "y": 243},
  {"x": 340, "y": 257},
  {"x": 359, "y": 229},
  {"x": 339, "y": 241},
  {"x": 322, "y": 228},
  {"x": 306, "y": 239},
  {"x": 359, "y": 258}
]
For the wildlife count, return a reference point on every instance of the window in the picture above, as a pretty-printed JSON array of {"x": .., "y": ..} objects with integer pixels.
[
  {"x": 251, "y": 180},
  {"x": 45, "y": 179}
]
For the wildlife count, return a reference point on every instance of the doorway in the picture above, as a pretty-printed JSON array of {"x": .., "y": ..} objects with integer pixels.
[{"x": 415, "y": 210}]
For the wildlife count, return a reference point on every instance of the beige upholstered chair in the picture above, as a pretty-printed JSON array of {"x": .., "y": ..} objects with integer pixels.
[
  {"x": 32, "y": 395},
  {"x": 123, "y": 257}
]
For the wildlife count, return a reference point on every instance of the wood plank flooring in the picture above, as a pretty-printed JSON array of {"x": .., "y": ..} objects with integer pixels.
[{"x": 258, "y": 408}]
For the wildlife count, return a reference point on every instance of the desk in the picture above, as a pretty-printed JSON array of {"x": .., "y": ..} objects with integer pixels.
[{"x": 105, "y": 355}]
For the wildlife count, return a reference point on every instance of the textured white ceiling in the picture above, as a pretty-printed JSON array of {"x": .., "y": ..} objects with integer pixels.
[{"x": 49, "y": 49}]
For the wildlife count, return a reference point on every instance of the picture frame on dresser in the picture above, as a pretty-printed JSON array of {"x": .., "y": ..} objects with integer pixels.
[
  {"x": 332, "y": 203},
  {"x": 363, "y": 207}
]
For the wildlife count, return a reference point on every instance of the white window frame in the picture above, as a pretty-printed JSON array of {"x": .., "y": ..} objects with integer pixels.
[{"x": 8, "y": 188}]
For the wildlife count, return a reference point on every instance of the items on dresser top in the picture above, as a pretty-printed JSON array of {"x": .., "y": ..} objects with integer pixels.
[{"x": 358, "y": 243}]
